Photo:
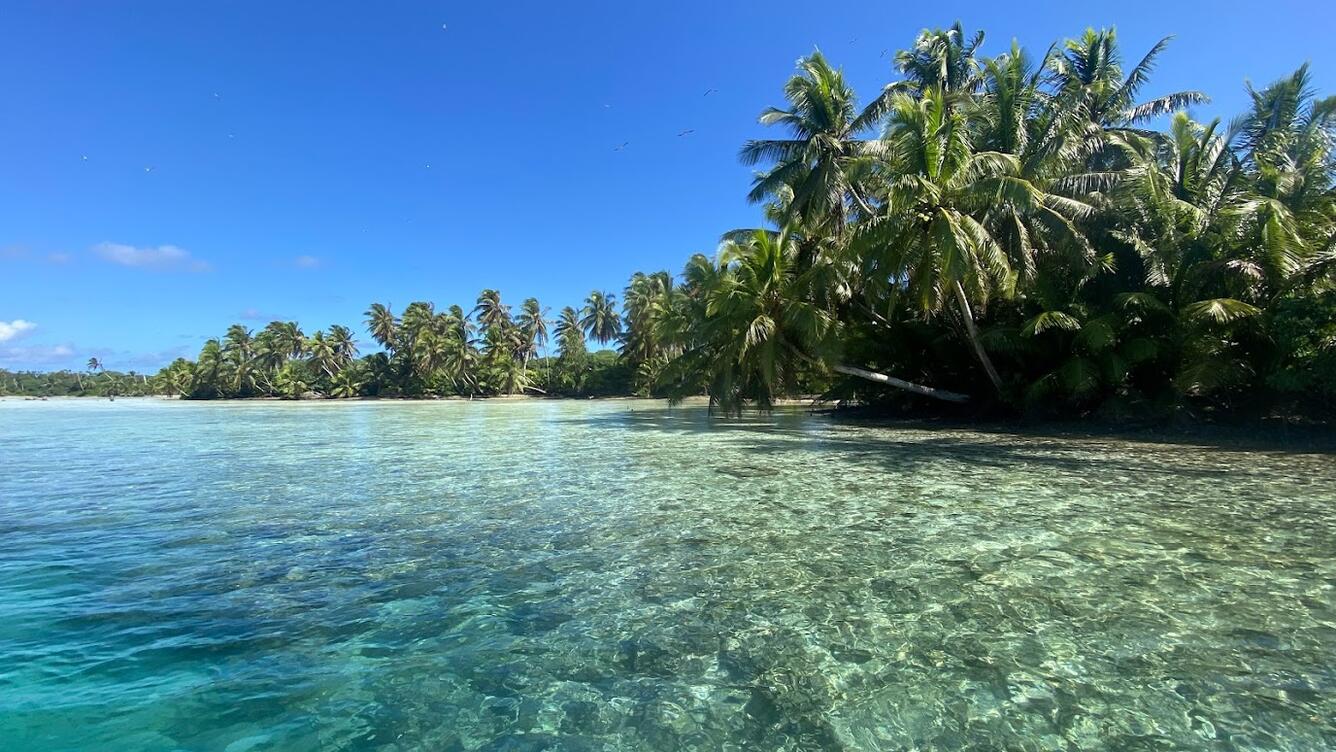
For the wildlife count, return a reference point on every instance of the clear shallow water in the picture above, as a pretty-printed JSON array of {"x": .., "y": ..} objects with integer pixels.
[{"x": 606, "y": 576}]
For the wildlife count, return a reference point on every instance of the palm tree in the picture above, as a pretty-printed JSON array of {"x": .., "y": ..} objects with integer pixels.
[
  {"x": 93, "y": 365},
  {"x": 383, "y": 326},
  {"x": 238, "y": 342},
  {"x": 933, "y": 239},
  {"x": 456, "y": 325},
  {"x": 490, "y": 311},
  {"x": 641, "y": 303},
  {"x": 569, "y": 330},
  {"x": 381, "y": 377},
  {"x": 449, "y": 348},
  {"x": 511, "y": 378},
  {"x": 1090, "y": 78},
  {"x": 942, "y": 59},
  {"x": 761, "y": 325},
  {"x": 461, "y": 362},
  {"x": 417, "y": 318},
  {"x": 1202, "y": 294},
  {"x": 179, "y": 377},
  {"x": 816, "y": 172},
  {"x": 292, "y": 380},
  {"x": 239, "y": 354},
  {"x": 532, "y": 323},
  {"x": 430, "y": 353},
  {"x": 571, "y": 352},
  {"x": 599, "y": 317},
  {"x": 500, "y": 345},
  {"x": 1286, "y": 142},
  {"x": 1011, "y": 113},
  {"x": 348, "y": 383},
  {"x": 271, "y": 352},
  {"x": 208, "y": 367},
  {"x": 287, "y": 338},
  {"x": 322, "y": 354},
  {"x": 341, "y": 340}
]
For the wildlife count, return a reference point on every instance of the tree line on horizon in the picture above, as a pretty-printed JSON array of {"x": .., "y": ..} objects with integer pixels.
[
  {"x": 95, "y": 380},
  {"x": 486, "y": 351},
  {"x": 1007, "y": 232}
]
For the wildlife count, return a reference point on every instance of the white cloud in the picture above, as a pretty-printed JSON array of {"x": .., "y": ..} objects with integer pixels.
[
  {"x": 164, "y": 257},
  {"x": 35, "y": 357},
  {"x": 306, "y": 262},
  {"x": 15, "y": 329}
]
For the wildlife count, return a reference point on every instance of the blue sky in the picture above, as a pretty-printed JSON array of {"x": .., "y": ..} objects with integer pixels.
[{"x": 169, "y": 168}]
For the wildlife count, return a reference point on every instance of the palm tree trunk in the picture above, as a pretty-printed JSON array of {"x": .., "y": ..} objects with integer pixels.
[
  {"x": 908, "y": 386},
  {"x": 973, "y": 333},
  {"x": 882, "y": 378}
]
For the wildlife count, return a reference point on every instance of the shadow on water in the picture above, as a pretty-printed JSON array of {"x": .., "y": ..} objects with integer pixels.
[
  {"x": 901, "y": 446},
  {"x": 1276, "y": 436},
  {"x": 1273, "y": 436}
]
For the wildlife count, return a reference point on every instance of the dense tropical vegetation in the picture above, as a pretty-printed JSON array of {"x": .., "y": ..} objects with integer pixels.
[
  {"x": 94, "y": 380},
  {"x": 422, "y": 352},
  {"x": 1011, "y": 233}
]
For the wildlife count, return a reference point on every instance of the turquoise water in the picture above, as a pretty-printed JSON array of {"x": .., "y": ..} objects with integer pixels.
[{"x": 618, "y": 576}]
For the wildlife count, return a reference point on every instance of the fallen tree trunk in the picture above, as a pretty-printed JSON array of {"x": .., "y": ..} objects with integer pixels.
[{"x": 908, "y": 386}]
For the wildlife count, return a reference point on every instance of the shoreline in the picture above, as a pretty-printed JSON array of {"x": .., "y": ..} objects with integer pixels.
[
  {"x": 1242, "y": 434},
  {"x": 700, "y": 400}
]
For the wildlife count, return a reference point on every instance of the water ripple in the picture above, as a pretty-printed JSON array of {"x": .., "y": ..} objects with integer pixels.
[{"x": 608, "y": 576}]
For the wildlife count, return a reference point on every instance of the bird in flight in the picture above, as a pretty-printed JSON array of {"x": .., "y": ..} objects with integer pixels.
[
  {"x": 622, "y": 146},
  {"x": 883, "y": 52},
  {"x": 708, "y": 92},
  {"x": 687, "y": 132},
  {"x": 84, "y": 157}
]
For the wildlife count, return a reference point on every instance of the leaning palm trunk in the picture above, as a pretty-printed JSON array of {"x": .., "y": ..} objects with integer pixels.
[
  {"x": 973, "y": 333},
  {"x": 908, "y": 386},
  {"x": 881, "y": 378}
]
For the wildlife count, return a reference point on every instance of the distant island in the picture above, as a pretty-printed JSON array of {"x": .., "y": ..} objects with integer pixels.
[{"x": 1015, "y": 234}]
